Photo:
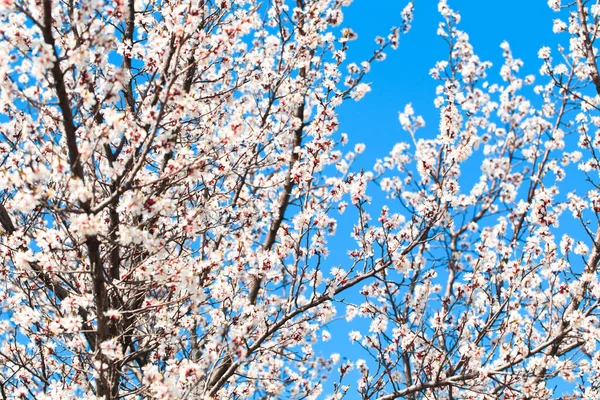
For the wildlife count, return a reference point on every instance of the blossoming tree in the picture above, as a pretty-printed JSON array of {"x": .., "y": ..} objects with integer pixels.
[{"x": 170, "y": 172}]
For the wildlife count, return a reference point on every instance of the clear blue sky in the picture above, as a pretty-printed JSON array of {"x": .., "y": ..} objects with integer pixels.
[{"x": 404, "y": 76}]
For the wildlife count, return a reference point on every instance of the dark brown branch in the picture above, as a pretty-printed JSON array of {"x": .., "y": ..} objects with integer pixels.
[
  {"x": 289, "y": 182},
  {"x": 128, "y": 39},
  {"x": 104, "y": 388},
  {"x": 63, "y": 98},
  {"x": 589, "y": 49}
]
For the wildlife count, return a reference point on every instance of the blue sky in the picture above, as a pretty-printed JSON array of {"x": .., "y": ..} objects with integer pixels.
[{"x": 404, "y": 78}]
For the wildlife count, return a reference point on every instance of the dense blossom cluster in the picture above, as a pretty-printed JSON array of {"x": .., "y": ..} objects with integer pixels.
[{"x": 171, "y": 173}]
